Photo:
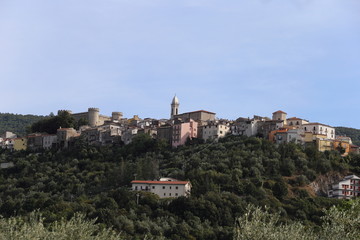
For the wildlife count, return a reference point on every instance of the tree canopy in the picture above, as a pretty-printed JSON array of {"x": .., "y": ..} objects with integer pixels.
[{"x": 226, "y": 176}]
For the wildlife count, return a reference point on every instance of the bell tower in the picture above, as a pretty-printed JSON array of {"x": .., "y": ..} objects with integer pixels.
[{"x": 174, "y": 107}]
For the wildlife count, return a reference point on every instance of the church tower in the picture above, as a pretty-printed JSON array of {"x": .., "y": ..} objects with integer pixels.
[{"x": 174, "y": 107}]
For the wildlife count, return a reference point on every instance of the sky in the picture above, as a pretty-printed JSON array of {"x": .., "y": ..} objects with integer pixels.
[{"x": 237, "y": 58}]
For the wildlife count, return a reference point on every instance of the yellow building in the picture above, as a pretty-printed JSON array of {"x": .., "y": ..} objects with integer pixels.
[
  {"x": 320, "y": 140},
  {"x": 20, "y": 144},
  {"x": 323, "y": 145}
]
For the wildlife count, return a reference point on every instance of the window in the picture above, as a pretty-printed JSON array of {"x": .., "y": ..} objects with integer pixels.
[
  {"x": 153, "y": 187},
  {"x": 170, "y": 187},
  {"x": 176, "y": 194},
  {"x": 169, "y": 194},
  {"x": 136, "y": 188},
  {"x": 163, "y": 187},
  {"x": 176, "y": 187},
  {"x": 164, "y": 194}
]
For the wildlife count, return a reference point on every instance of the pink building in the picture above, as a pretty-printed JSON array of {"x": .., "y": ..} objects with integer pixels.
[{"x": 182, "y": 131}]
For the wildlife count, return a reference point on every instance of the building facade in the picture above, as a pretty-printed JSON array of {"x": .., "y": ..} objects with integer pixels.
[
  {"x": 198, "y": 116},
  {"x": 164, "y": 189},
  {"x": 214, "y": 131},
  {"x": 321, "y": 129},
  {"x": 183, "y": 131},
  {"x": 347, "y": 188}
]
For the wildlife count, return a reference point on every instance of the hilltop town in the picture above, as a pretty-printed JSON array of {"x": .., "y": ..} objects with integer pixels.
[
  {"x": 182, "y": 127},
  {"x": 120, "y": 171}
]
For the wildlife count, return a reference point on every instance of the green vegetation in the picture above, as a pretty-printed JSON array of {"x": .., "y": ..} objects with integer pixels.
[
  {"x": 52, "y": 124},
  {"x": 32, "y": 227},
  {"x": 353, "y": 133},
  {"x": 226, "y": 177},
  {"x": 17, "y": 123},
  {"x": 338, "y": 223}
]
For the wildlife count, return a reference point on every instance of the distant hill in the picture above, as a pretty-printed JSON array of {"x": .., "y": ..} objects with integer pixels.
[
  {"x": 349, "y": 132},
  {"x": 17, "y": 123}
]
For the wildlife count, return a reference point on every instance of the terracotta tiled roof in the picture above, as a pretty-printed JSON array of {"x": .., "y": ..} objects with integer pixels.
[
  {"x": 162, "y": 182},
  {"x": 279, "y": 112},
  {"x": 196, "y": 112},
  {"x": 294, "y": 118}
]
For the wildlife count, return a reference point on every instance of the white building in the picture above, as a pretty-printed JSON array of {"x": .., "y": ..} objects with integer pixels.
[
  {"x": 8, "y": 134},
  {"x": 347, "y": 188},
  {"x": 318, "y": 128},
  {"x": 245, "y": 127},
  {"x": 214, "y": 131},
  {"x": 167, "y": 188},
  {"x": 7, "y": 143}
]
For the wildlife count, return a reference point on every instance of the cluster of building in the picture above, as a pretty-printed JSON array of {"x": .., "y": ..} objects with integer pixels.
[
  {"x": 280, "y": 129},
  {"x": 180, "y": 127}
]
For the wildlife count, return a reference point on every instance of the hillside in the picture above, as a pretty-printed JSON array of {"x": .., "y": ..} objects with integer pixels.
[
  {"x": 353, "y": 133},
  {"x": 225, "y": 177},
  {"x": 17, "y": 123}
]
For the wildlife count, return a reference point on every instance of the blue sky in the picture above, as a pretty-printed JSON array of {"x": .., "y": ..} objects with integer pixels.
[{"x": 233, "y": 57}]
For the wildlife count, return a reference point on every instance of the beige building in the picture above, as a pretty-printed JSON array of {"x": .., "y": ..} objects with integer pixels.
[
  {"x": 279, "y": 115},
  {"x": 20, "y": 144},
  {"x": 8, "y": 134},
  {"x": 64, "y": 135},
  {"x": 214, "y": 131},
  {"x": 93, "y": 116},
  {"x": 296, "y": 122},
  {"x": 198, "y": 116},
  {"x": 164, "y": 189}
]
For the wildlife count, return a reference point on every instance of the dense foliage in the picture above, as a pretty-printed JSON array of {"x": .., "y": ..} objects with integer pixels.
[
  {"x": 53, "y": 123},
  {"x": 226, "y": 176},
  {"x": 33, "y": 228},
  {"x": 353, "y": 133},
  {"x": 338, "y": 223},
  {"x": 17, "y": 123}
]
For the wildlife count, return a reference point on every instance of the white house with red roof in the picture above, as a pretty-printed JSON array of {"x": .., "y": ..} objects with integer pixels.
[{"x": 164, "y": 188}]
